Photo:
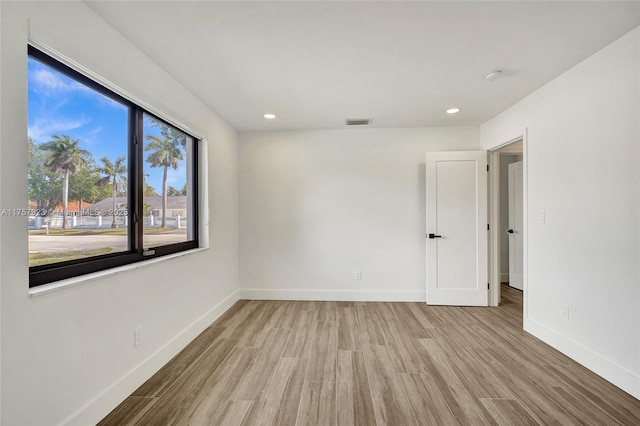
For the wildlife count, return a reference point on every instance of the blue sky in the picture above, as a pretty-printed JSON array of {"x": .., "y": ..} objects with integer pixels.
[{"x": 60, "y": 105}]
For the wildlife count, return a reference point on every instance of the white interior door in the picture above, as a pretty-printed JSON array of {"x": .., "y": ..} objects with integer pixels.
[
  {"x": 456, "y": 196},
  {"x": 515, "y": 225}
]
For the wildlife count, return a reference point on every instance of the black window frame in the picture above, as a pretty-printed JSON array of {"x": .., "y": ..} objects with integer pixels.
[{"x": 49, "y": 273}]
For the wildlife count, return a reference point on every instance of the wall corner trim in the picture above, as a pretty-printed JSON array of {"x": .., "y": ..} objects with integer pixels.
[
  {"x": 619, "y": 376},
  {"x": 102, "y": 404}
]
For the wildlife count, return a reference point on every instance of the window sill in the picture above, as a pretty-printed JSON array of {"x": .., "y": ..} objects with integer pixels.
[{"x": 71, "y": 282}]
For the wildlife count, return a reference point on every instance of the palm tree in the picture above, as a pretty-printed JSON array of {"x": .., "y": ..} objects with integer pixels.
[
  {"x": 165, "y": 152},
  {"x": 65, "y": 155},
  {"x": 113, "y": 172}
]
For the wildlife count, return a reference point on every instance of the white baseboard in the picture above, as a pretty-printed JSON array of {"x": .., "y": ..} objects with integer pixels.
[
  {"x": 333, "y": 295},
  {"x": 504, "y": 277},
  {"x": 102, "y": 404},
  {"x": 605, "y": 368}
]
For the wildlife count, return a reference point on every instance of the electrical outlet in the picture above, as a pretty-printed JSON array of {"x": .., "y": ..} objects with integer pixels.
[
  {"x": 564, "y": 310},
  {"x": 357, "y": 275},
  {"x": 137, "y": 337}
]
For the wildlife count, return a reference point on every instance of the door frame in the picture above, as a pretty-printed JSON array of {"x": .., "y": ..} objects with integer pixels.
[{"x": 495, "y": 222}]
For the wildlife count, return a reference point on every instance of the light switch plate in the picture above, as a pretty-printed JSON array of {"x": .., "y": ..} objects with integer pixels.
[{"x": 541, "y": 216}]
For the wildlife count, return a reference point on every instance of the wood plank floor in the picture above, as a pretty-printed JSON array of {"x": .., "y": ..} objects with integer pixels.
[{"x": 352, "y": 363}]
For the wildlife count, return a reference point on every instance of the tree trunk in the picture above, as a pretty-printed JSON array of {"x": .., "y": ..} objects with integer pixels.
[
  {"x": 114, "y": 224},
  {"x": 164, "y": 198},
  {"x": 65, "y": 198}
]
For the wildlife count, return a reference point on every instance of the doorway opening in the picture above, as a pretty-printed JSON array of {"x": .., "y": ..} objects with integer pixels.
[
  {"x": 511, "y": 216},
  {"x": 508, "y": 219}
]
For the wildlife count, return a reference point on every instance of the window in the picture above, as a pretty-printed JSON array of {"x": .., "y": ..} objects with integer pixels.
[{"x": 109, "y": 182}]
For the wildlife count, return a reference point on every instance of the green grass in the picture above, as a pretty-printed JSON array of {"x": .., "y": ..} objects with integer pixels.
[{"x": 36, "y": 259}]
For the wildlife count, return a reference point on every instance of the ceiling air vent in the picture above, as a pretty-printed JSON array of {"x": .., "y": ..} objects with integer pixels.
[{"x": 358, "y": 121}]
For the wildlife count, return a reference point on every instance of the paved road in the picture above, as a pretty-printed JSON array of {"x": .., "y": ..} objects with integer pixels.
[{"x": 59, "y": 243}]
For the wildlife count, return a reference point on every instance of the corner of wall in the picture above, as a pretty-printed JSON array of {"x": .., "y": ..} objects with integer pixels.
[
  {"x": 103, "y": 404},
  {"x": 619, "y": 376}
]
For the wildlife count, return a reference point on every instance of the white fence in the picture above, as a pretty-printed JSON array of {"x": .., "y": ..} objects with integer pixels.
[{"x": 93, "y": 222}]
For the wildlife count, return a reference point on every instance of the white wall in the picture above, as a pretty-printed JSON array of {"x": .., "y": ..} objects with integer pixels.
[
  {"x": 315, "y": 206},
  {"x": 68, "y": 356},
  {"x": 583, "y": 170}
]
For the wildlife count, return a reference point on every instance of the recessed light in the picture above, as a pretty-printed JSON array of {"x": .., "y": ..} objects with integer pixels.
[
  {"x": 269, "y": 116},
  {"x": 453, "y": 110}
]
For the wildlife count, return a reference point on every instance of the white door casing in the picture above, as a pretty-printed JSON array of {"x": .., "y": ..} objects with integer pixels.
[
  {"x": 516, "y": 225},
  {"x": 456, "y": 210}
]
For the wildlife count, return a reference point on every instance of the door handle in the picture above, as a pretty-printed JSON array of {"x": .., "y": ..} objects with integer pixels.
[
  {"x": 510, "y": 231},
  {"x": 432, "y": 236}
]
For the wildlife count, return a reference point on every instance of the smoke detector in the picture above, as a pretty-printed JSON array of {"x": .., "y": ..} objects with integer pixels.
[{"x": 493, "y": 75}]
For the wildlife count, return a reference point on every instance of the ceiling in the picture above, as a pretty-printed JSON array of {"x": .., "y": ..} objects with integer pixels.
[{"x": 315, "y": 64}]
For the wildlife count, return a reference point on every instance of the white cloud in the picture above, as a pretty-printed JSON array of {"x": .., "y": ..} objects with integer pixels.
[
  {"x": 175, "y": 176},
  {"x": 89, "y": 137},
  {"x": 44, "y": 128},
  {"x": 47, "y": 82},
  {"x": 53, "y": 85}
]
